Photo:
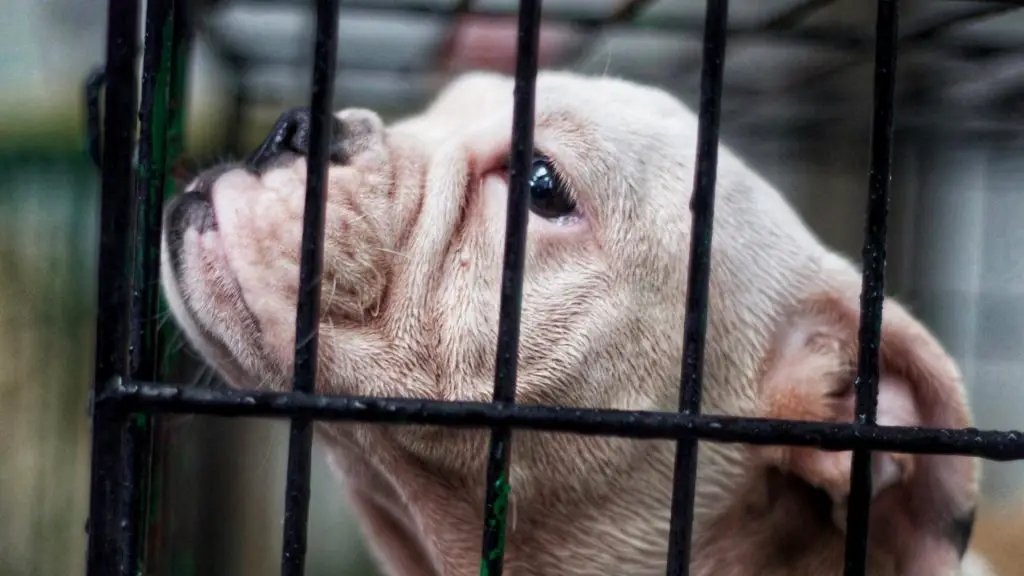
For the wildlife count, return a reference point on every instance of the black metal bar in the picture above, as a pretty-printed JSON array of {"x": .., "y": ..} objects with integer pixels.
[
  {"x": 162, "y": 357},
  {"x": 702, "y": 206},
  {"x": 872, "y": 290},
  {"x": 144, "y": 317},
  {"x": 510, "y": 310},
  {"x": 307, "y": 322},
  {"x": 117, "y": 211},
  {"x": 165, "y": 398},
  {"x": 149, "y": 185}
]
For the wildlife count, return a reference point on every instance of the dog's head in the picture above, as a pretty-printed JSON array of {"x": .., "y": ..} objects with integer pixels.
[{"x": 414, "y": 239}]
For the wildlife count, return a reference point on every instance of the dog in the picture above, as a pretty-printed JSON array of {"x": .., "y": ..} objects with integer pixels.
[{"x": 414, "y": 234}]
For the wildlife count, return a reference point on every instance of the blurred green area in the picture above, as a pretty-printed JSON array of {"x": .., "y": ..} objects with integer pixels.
[{"x": 46, "y": 321}]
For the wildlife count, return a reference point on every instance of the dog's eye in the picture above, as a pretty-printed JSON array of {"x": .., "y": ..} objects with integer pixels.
[{"x": 549, "y": 196}]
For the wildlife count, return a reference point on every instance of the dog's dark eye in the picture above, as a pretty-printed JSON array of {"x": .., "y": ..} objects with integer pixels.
[{"x": 549, "y": 196}]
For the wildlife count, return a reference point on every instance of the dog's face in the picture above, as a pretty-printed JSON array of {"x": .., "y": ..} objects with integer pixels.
[{"x": 414, "y": 240}]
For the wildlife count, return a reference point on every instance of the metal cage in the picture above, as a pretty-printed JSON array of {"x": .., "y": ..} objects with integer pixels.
[{"x": 126, "y": 394}]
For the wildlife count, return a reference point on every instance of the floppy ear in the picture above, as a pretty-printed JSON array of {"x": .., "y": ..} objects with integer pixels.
[{"x": 922, "y": 507}]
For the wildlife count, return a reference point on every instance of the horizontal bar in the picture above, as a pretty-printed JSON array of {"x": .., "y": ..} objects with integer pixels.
[{"x": 170, "y": 398}]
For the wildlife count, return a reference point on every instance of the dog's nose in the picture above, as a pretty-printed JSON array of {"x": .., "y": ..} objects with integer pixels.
[{"x": 350, "y": 134}]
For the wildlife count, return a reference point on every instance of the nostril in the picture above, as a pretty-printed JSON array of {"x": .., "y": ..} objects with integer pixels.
[
  {"x": 296, "y": 136},
  {"x": 278, "y": 141},
  {"x": 291, "y": 134}
]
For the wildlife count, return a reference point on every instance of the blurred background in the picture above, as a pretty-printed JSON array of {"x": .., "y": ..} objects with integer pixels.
[{"x": 797, "y": 106}]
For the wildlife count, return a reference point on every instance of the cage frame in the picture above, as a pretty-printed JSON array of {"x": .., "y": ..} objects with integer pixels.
[{"x": 127, "y": 395}]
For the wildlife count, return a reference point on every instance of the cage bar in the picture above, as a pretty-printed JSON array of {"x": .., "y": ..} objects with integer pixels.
[
  {"x": 497, "y": 484},
  {"x": 150, "y": 174},
  {"x": 163, "y": 354},
  {"x": 873, "y": 280},
  {"x": 702, "y": 206},
  {"x": 649, "y": 425},
  {"x": 307, "y": 322},
  {"x": 106, "y": 542}
]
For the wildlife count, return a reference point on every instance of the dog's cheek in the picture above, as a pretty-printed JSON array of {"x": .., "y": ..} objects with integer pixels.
[{"x": 583, "y": 346}]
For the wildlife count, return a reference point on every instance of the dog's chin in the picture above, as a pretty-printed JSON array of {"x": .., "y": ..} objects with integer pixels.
[{"x": 199, "y": 287}]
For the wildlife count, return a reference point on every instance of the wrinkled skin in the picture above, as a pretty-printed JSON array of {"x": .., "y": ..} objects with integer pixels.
[{"x": 414, "y": 242}]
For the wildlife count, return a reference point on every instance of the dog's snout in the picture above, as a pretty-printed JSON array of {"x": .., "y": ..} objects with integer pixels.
[{"x": 350, "y": 132}]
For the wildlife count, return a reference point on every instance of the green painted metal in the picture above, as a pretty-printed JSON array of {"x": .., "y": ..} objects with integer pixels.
[
  {"x": 497, "y": 516},
  {"x": 157, "y": 354}
]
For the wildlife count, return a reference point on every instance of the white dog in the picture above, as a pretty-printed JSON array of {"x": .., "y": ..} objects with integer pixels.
[{"x": 414, "y": 244}]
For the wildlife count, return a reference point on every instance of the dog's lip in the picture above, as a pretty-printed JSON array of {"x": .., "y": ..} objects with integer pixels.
[
  {"x": 212, "y": 239},
  {"x": 199, "y": 193}
]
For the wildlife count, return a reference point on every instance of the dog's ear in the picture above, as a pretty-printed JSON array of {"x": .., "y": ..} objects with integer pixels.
[{"x": 922, "y": 507}]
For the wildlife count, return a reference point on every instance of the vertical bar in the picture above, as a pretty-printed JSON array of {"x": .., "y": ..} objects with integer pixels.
[
  {"x": 117, "y": 211},
  {"x": 145, "y": 354},
  {"x": 149, "y": 185},
  {"x": 873, "y": 279},
  {"x": 176, "y": 65},
  {"x": 510, "y": 311},
  {"x": 702, "y": 205},
  {"x": 174, "y": 74},
  {"x": 307, "y": 323}
]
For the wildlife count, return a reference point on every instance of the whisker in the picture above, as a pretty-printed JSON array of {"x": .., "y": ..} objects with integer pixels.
[
  {"x": 200, "y": 375},
  {"x": 330, "y": 298}
]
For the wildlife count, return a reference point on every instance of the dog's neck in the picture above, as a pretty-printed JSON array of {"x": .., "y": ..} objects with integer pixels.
[{"x": 411, "y": 508}]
